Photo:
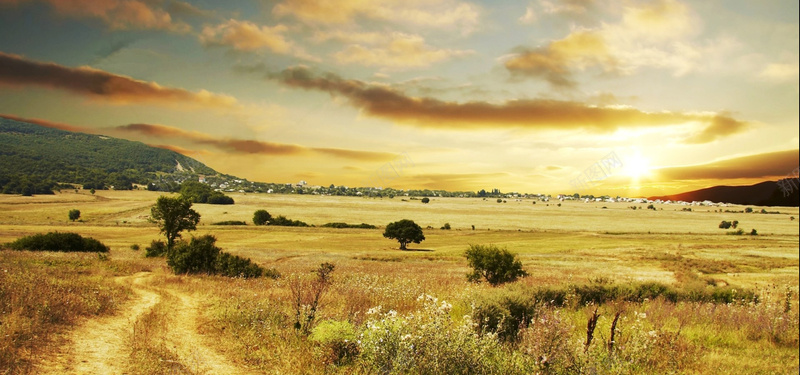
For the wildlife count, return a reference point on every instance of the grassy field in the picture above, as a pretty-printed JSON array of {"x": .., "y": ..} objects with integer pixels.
[{"x": 564, "y": 246}]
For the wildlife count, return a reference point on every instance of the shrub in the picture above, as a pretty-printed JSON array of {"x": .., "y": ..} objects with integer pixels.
[
  {"x": 493, "y": 264},
  {"x": 425, "y": 200},
  {"x": 338, "y": 338},
  {"x": 748, "y": 210},
  {"x": 446, "y": 226},
  {"x": 219, "y": 198},
  {"x": 345, "y": 225},
  {"x": 74, "y": 215},
  {"x": 235, "y": 266},
  {"x": 261, "y": 217},
  {"x": 284, "y": 222},
  {"x": 725, "y": 224},
  {"x": 651, "y": 207},
  {"x": 230, "y": 222},
  {"x": 197, "y": 256},
  {"x": 503, "y": 314},
  {"x": 56, "y": 241},
  {"x": 430, "y": 341},
  {"x": 754, "y": 232},
  {"x": 156, "y": 249},
  {"x": 737, "y": 232},
  {"x": 135, "y": 247}
]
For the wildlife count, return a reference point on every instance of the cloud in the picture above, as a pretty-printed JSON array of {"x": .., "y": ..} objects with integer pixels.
[
  {"x": 182, "y": 8},
  {"x": 397, "y": 51},
  {"x": 456, "y": 181},
  {"x": 763, "y": 166},
  {"x": 444, "y": 14},
  {"x": 118, "y": 14},
  {"x": 247, "y": 146},
  {"x": 779, "y": 72},
  {"x": 246, "y": 36},
  {"x": 656, "y": 34},
  {"x": 721, "y": 126},
  {"x": 555, "y": 62},
  {"x": 18, "y": 71},
  {"x": 49, "y": 124},
  {"x": 386, "y": 102}
]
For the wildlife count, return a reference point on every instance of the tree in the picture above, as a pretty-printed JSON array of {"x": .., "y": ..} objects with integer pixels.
[
  {"x": 404, "y": 231},
  {"x": 174, "y": 215},
  {"x": 425, "y": 200},
  {"x": 74, "y": 215},
  {"x": 261, "y": 217},
  {"x": 493, "y": 264}
]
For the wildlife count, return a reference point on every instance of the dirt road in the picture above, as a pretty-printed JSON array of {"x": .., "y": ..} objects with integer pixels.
[{"x": 103, "y": 345}]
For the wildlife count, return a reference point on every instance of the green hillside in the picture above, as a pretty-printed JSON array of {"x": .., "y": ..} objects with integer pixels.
[{"x": 35, "y": 159}]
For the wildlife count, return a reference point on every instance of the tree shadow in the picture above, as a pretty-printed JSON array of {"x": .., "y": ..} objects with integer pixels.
[{"x": 423, "y": 250}]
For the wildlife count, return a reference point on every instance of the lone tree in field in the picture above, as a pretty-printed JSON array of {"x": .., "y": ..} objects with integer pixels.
[
  {"x": 493, "y": 264},
  {"x": 404, "y": 231},
  {"x": 261, "y": 217},
  {"x": 74, "y": 215},
  {"x": 174, "y": 215}
]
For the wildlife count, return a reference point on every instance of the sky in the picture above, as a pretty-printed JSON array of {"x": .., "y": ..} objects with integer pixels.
[{"x": 617, "y": 97}]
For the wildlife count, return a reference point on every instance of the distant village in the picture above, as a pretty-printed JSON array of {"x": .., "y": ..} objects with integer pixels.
[{"x": 230, "y": 184}]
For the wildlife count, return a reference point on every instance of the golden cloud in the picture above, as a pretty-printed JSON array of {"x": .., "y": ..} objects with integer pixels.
[
  {"x": 721, "y": 126},
  {"x": 448, "y": 14},
  {"x": 762, "y": 166},
  {"x": 654, "y": 34},
  {"x": 18, "y": 71},
  {"x": 118, "y": 14},
  {"x": 397, "y": 51},
  {"x": 247, "y": 146},
  {"x": 49, "y": 124},
  {"x": 246, "y": 36},
  {"x": 386, "y": 102},
  {"x": 556, "y": 62}
]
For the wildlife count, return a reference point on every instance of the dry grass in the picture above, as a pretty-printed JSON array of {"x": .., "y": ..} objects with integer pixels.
[
  {"x": 574, "y": 244},
  {"x": 43, "y": 294}
]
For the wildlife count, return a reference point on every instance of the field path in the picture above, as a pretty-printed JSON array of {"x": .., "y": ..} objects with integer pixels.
[
  {"x": 189, "y": 345},
  {"x": 101, "y": 345}
]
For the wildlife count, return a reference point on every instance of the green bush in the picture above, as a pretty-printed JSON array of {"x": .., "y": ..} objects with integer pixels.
[
  {"x": 261, "y": 217},
  {"x": 74, "y": 215},
  {"x": 446, "y": 226},
  {"x": 725, "y": 224},
  {"x": 197, "y": 256},
  {"x": 737, "y": 232},
  {"x": 503, "y": 313},
  {"x": 493, "y": 264},
  {"x": 338, "y": 338},
  {"x": 284, "y": 222},
  {"x": 345, "y": 225},
  {"x": 219, "y": 198},
  {"x": 431, "y": 341},
  {"x": 236, "y": 266},
  {"x": 754, "y": 232},
  {"x": 230, "y": 222},
  {"x": 156, "y": 249},
  {"x": 425, "y": 200},
  {"x": 56, "y": 241}
]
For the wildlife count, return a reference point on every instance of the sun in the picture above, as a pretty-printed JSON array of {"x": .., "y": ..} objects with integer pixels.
[{"x": 637, "y": 167}]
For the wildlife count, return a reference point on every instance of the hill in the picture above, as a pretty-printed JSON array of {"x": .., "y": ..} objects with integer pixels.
[
  {"x": 766, "y": 193},
  {"x": 36, "y": 159}
]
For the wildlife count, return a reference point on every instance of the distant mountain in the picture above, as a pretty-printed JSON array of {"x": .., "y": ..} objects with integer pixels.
[
  {"x": 34, "y": 159},
  {"x": 766, "y": 193}
]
